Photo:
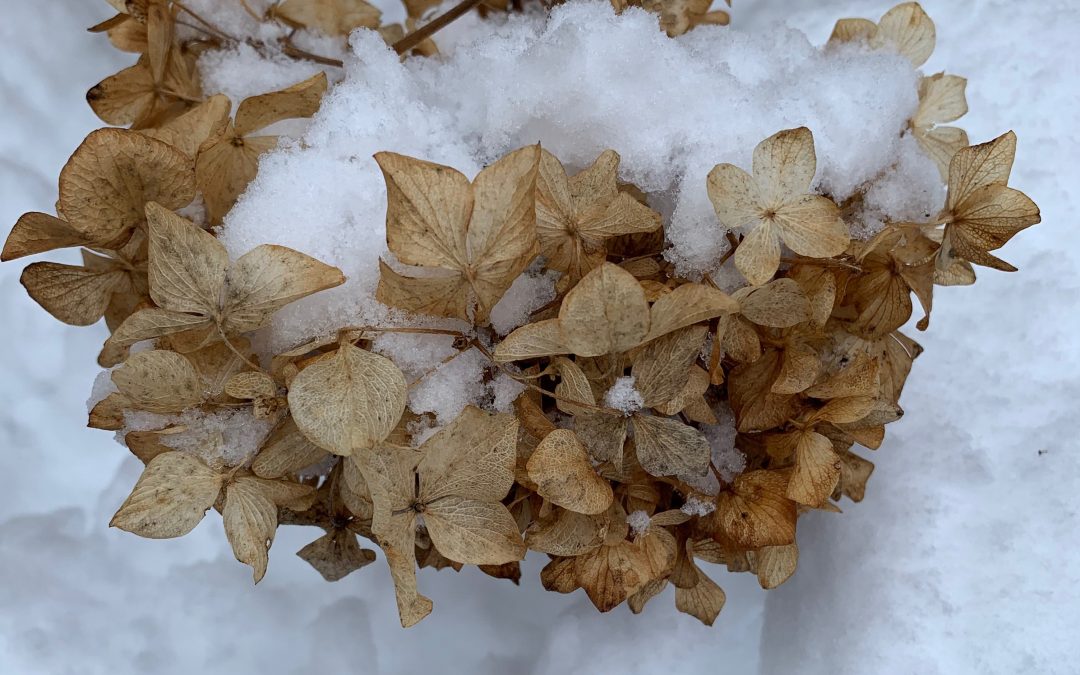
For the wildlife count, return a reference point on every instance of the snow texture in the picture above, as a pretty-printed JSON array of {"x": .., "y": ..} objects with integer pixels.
[
  {"x": 623, "y": 396},
  {"x": 962, "y": 559}
]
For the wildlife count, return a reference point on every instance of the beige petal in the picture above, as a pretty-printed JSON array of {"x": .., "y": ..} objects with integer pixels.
[
  {"x": 399, "y": 547},
  {"x": 778, "y": 304},
  {"x": 750, "y": 393},
  {"x": 151, "y": 323},
  {"x": 603, "y": 435},
  {"x": 853, "y": 30},
  {"x": 662, "y": 366},
  {"x": 336, "y": 554},
  {"x": 703, "y": 601},
  {"x": 686, "y": 305},
  {"x": 758, "y": 256},
  {"x": 250, "y": 519},
  {"x": 811, "y": 226},
  {"x": 597, "y": 182},
  {"x": 105, "y": 186},
  {"x": 573, "y": 386},
  {"x": 859, "y": 378},
  {"x": 819, "y": 286},
  {"x": 978, "y": 166},
  {"x": 734, "y": 196},
  {"x": 390, "y": 476},
  {"x": 473, "y": 532},
  {"x": 170, "y": 498},
  {"x": 267, "y": 278},
  {"x": 158, "y": 381},
  {"x": 637, "y": 601},
  {"x": 667, "y": 447},
  {"x": 189, "y": 131},
  {"x": 37, "y": 233},
  {"x": 501, "y": 239},
  {"x": 348, "y": 400},
  {"x": 125, "y": 97},
  {"x": 78, "y": 296},
  {"x": 739, "y": 339},
  {"x": 332, "y": 17},
  {"x": 226, "y": 167},
  {"x": 286, "y": 451},
  {"x": 799, "y": 369},
  {"x": 251, "y": 384},
  {"x": 444, "y": 294},
  {"x": 987, "y": 220},
  {"x": 882, "y": 299},
  {"x": 941, "y": 100},
  {"x": 940, "y": 144},
  {"x": 428, "y": 210},
  {"x": 543, "y": 338},
  {"x": 848, "y": 409},
  {"x": 775, "y": 564},
  {"x": 695, "y": 385},
  {"x": 784, "y": 165},
  {"x": 472, "y": 457},
  {"x": 757, "y": 512},
  {"x": 187, "y": 264},
  {"x": 300, "y": 100},
  {"x": 611, "y": 574},
  {"x": 817, "y": 468},
  {"x": 910, "y": 30},
  {"x": 623, "y": 215},
  {"x": 561, "y": 469},
  {"x": 605, "y": 313},
  {"x": 566, "y": 533},
  {"x": 854, "y": 473}
]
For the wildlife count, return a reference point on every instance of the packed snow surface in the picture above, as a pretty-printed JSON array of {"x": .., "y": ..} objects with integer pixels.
[{"x": 962, "y": 559}]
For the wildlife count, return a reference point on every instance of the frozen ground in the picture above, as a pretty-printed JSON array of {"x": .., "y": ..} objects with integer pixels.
[{"x": 965, "y": 557}]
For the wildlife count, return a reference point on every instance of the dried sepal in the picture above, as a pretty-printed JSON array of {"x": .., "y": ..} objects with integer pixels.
[
  {"x": 331, "y": 17},
  {"x": 906, "y": 28},
  {"x": 199, "y": 293},
  {"x": 455, "y": 481},
  {"x": 575, "y": 215},
  {"x": 170, "y": 498},
  {"x": 561, "y": 470},
  {"x": 982, "y": 212},
  {"x": 348, "y": 400},
  {"x": 113, "y": 175},
  {"x": 774, "y": 205},
  {"x": 480, "y": 236}
]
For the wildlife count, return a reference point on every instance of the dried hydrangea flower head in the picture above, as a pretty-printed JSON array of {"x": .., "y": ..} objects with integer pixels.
[{"x": 640, "y": 419}]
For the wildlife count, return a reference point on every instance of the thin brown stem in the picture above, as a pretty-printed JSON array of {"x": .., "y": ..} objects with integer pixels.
[
  {"x": 234, "y": 350},
  {"x": 209, "y": 26},
  {"x": 290, "y": 49},
  {"x": 821, "y": 262},
  {"x": 435, "y": 25},
  {"x": 250, "y": 11}
]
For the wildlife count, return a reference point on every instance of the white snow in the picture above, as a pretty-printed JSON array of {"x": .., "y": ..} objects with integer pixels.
[
  {"x": 961, "y": 559},
  {"x": 638, "y": 522},
  {"x": 623, "y": 396},
  {"x": 706, "y": 98}
]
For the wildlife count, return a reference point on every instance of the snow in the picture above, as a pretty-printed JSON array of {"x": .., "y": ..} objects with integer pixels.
[
  {"x": 638, "y": 522},
  {"x": 706, "y": 98},
  {"x": 623, "y": 396},
  {"x": 451, "y": 387},
  {"x": 962, "y": 558},
  {"x": 231, "y": 436}
]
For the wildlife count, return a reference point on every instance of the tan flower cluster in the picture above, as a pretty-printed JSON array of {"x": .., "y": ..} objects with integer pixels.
[{"x": 622, "y": 495}]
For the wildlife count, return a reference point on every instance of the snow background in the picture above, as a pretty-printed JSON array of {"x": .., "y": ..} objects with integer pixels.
[{"x": 965, "y": 556}]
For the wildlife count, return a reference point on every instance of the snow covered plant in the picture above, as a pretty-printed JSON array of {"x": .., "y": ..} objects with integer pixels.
[{"x": 648, "y": 340}]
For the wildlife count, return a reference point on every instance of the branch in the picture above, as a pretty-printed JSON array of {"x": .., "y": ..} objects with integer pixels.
[{"x": 435, "y": 25}]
